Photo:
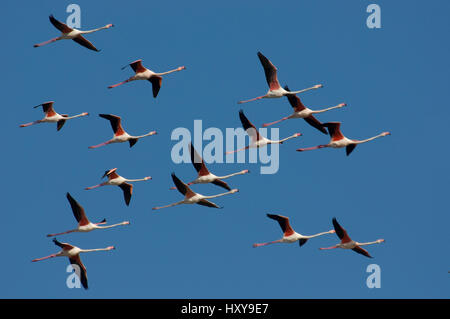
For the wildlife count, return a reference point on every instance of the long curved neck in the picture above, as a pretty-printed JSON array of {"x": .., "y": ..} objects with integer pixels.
[
  {"x": 319, "y": 234},
  {"x": 219, "y": 195},
  {"x": 327, "y": 109},
  {"x": 94, "y": 30},
  {"x": 307, "y": 89},
  {"x": 369, "y": 139},
  {"x": 230, "y": 175},
  {"x": 148, "y": 134},
  {"x": 111, "y": 226},
  {"x": 287, "y": 138},
  {"x": 96, "y": 249},
  {"x": 75, "y": 116},
  {"x": 369, "y": 243},
  {"x": 138, "y": 180},
  {"x": 171, "y": 71}
]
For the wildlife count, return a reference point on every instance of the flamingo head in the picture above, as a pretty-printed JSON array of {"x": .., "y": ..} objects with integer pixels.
[
  {"x": 234, "y": 191},
  {"x": 110, "y": 248},
  {"x": 84, "y": 113},
  {"x": 318, "y": 86},
  {"x": 181, "y": 68},
  {"x": 297, "y": 134},
  {"x": 386, "y": 133},
  {"x": 109, "y": 25},
  {"x": 380, "y": 241},
  {"x": 245, "y": 171},
  {"x": 342, "y": 104}
]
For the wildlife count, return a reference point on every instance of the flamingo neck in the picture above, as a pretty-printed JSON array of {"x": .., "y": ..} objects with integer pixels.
[
  {"x": 222, "y": 194},
  {"x": 328, "y": 109}
]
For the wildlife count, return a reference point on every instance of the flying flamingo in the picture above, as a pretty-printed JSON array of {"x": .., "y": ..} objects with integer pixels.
[
  {"x": 84, "y": 225},
  {"x": 68, "y": 33},
  {"x": 338, "y": 140},
  {"x": 289, "y": 235},
  {"x": 117, "y": 180},
  {"x": 275, "y": 89},
  {"x": 52, "y": 117},
  {"x": 142, "y": 73},
  {"x": 348, "y": 243},
  {"x": 73, "y": 252},
  {"x": 204, "y": 175},
  {"x": 192, "y": 197},
  {"x": 120, "y": 135},
  {"x": 301, "y": 111},
  {"x": 256, "y": 140}
]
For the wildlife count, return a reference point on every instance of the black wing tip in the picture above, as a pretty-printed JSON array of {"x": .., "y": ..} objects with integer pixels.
[{"x": 287, "y": 88}]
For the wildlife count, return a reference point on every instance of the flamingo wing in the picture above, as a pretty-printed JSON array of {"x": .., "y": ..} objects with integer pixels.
[
  {"x": 340, "y": 232},
  {"x": 362, "y": 251},
  {"x": 221, "y": 183},
  {"x": 334, "y": 129},
  {"x": 60, "y": 124},
  {"x": 198, "y": 162},
  {"x": 249, "y": 127},
  {"x": 137, "y": 66},
  {"x": 270, "y": 71},
  {"x": 85, "y": 42},
  {"x": 284, "y": 223},
  {"x": 64, "y": 28},
  {"x": 127, "y": 191},
  {"x": 80, "y": 270},
  {"x": 302, "y": 241},
  {"x": 207, "y": 203},
  {"x": 156, "y": 84},
  {"x": 294, "y": 101},
  {"x": 115, "y": 123},
  {"x": 311, "y": 120},
  {"x": 182, "y": 187},
  {"x": 78, "y": 211},
  {"x": 64, "y": 246},
  {"x": 350, "y": 148}
]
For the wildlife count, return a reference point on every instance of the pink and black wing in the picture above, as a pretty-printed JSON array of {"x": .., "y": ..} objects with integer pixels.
[
  {"x": 311, "y": 120},
  {"x": 115, "y": 122},
  {"x": 207, "y": 203},
  {"x": 64, "y": 28},
  {"x": 221, "y": 183},
  {"x": 80, "y": 270},
  {"x": 127, "y": 192},
  {"x": 284, "y": 223},
  {"x": 294, "y": 101},
  {"x": 61, "y": 123},
  {"x": 78, "y": 211},
  {"x": 362, "y": 251},
  {"x": 156, "y": 84},
  {"x": 84, "y": 42},
  {"x": 182, "y": 187},
  {"x": 137, "y": 66},
  {"x": 197, "y": 161},
  {"x": 349, "y": 148},
  {"x": 334, "y": 129},
  {"x": 248, "y": 126},
  {"x": 340, "y": 232},
  {"x": 64, "y": 246},
  {"x": 302, "y": 241},
  {"x": 270, "y": 71}
]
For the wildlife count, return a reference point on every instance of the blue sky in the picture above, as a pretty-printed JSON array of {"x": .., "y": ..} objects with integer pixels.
[{"x": 393, "y": 79}]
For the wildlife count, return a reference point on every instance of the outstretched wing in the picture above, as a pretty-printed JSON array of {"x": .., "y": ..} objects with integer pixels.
[
  {"x": 294, "y": 101},
  {"x": 115, "y": 123},
  {"x": 60, "y": 124},
  {"x": 84, "y": 42},
  {"x": 302, "y": 241},
  {"x": 221, "y": 183},
  {"x": 156, "y": 84},
  {"x": 207, "y": 203},
  {"x": 270, "y": 71},
  {"x": 127, "y": 191},
  {"x": 137, "y": 66},
  {"x": 182, "y": 187},
  {"x": 198, "y": 162},
  {"x": 249, "y": 127},
  {"x": 362, "y": 251},
  {"x": 78, "y": 211},
  {"x": 340, "y": 232},
  {"x": 64, "y": 28},
  {"x": 82, "y": 270},
  {"x": 65, "y": 246},
  {"x": 284, "y": 223},
  {"x": 350, "y": 148},
  {"x": 311, "y": 120},
  {"x": 334, "y": 128}
]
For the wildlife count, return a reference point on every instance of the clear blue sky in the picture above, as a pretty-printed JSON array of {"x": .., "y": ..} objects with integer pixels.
[{"x": 396, "y": 188}]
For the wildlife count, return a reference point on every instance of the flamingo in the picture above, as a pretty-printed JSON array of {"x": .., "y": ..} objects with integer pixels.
[
  {"x": 289, "y": 235},
  {"x": 204, "y": 175},
  {"x": 338, "y": 140},
  {"x": 73, "y": 252},
  {"x": 120, "y": 135},
  {"x": 68, "y": 33},
  {"x": 275, "y": 89},
  {"x": 256, "y": 139},
  {"x": 348, "y": 243},
  {"x": 301, "y": 111},
  {"x": 192, "y": 197},
  {"x": 117, "y": 180},
  {"x": 84, "y": 225},
  {"x": 142, "y": 73},
  {"x": 52, "y": 117}
]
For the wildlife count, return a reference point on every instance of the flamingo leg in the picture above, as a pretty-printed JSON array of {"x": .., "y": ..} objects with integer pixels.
[
  {"x": 116, "y": 85},
  {"x": 102, "y": 144},
  {"x": 311, "y": 148},
  {"x": 256, "y": 98},
  {"x": 95, "y": 186},
  {"x": 241, "y": 149},
  {"x": 271, "y": 123},
  {"x": 42, "y": 258},
  {"x": 333, "y": 247},
  {"x": 66, "y": 232},
  {"x": 265, "y": 244},
  {"x": 31, "y": 123},
  {"x": 46, "y": 42}
]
